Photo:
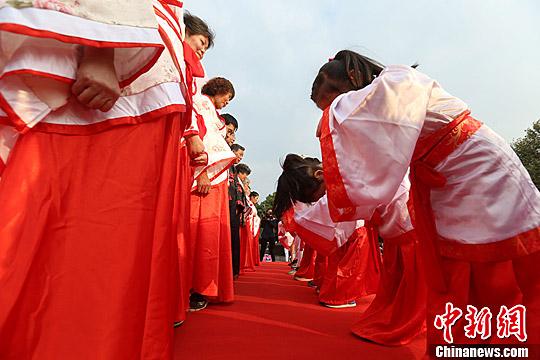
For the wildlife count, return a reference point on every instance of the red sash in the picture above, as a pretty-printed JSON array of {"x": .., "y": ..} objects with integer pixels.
[
  {"x": 429, "y": 152},
  {"x": 372, "y": 227}
]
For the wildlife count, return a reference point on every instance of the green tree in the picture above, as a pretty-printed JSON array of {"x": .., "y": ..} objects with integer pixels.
[
  {"x": 263, "y": 206},
  {"x": 528, "y": 150}
]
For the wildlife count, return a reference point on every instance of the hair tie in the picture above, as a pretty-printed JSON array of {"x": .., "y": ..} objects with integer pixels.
[{"x": 330, "y": 59}]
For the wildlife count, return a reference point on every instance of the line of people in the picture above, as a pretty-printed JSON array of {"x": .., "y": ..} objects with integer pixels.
[
  {"x": 468, "y": 222},
  {"x": 119, "y": 192}
]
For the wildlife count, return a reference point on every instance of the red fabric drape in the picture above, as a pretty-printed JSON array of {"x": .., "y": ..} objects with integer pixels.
[
  {"x": 211, "y": 234},
  {"x": 350, "y": 273},
  {"x": 397, "y": 314},
  {"x": 87, "y": 237},
  {"x": 307, "y": 265}
]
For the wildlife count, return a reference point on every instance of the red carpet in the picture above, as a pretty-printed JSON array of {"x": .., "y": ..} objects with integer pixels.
[{"x": 276, "y": 317}]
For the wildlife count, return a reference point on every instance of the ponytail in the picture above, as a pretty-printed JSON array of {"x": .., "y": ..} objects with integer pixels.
[
  {"x": 335, "y": 73},
  {"x": 296, "y": 183},
  {"x": 365, "y": 69}
]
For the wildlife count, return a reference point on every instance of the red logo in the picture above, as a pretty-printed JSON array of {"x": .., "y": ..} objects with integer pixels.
[
  {"x": 447, "y": 320},
  {"x": 512, "y": 322},
  {"x": 509, "y": 322}
]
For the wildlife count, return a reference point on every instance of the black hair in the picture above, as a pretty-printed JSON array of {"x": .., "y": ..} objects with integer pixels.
[
  {"x": 218, "y": 86},
  {"x": 197, "y": 26},
  {"x": 229, "y": 119},
  {"x": 243, "y": 168},
  {"x": 253, "y": 194},
  {"x": 296, "y": 183},
  {"x": 334, "y": 75},
  {"x": 236, "y": 147}
]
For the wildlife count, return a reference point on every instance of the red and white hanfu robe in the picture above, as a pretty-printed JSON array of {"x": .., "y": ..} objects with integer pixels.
[
  {"x": 477, "y": 212},
  {"x": 397, "y": 314},
  {"x": 353, "y": 265},
  {"x": 248, "y": 239},
  {"x": 210, "y": 257},
  {"x": 87, "y": 231}
]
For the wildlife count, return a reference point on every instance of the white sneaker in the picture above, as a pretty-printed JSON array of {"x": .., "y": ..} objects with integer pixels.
[{"x": 333, "y": 306}]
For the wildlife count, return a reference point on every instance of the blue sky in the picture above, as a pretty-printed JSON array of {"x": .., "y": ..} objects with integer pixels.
[{"x": 484, "y": 52}]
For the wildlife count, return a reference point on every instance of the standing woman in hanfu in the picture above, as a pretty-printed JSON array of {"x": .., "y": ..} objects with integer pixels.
[
  {"x": 88, "y": 254},
  {"x": 255, "y": 227},
  {"x": 209, "y": 249},
  {"x": 247, "y": 231},
  {"x": 477, "y": 212}
]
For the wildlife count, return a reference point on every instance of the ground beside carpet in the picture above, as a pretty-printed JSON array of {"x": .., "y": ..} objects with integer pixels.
[{"x": 276, "y": 317}]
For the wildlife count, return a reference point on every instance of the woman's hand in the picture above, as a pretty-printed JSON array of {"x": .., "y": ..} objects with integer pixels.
[
  {"x": 196, "y": 152},
  {"x": 203, "y": 184},
  {"x": 97, "y": 85}
]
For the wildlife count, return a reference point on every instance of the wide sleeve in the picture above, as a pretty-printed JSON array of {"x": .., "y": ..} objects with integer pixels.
[
  {"x": 39, "y": 27},
  {"x": 395, "y": 217},
  {"x": 367, "y": 140},
  {"x": 316, "y": 227},
  {"x": 41, "y": 42},
  {"x": 220, "y": 156}
]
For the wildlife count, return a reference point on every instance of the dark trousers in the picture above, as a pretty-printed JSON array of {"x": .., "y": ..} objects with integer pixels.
[
  {"x": 235, "y": 244},
  {"x": 271, "y": 244}
]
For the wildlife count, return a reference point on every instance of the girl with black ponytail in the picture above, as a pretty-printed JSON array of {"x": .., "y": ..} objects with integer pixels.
[
  {"x": 381, "y": 122},
  {"x": 301, "y": 180}
]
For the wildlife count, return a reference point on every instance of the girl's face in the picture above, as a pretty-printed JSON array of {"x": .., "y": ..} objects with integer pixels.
[
  {"x": 221, "y": 100},
  {"x": 199, "y": 44}
]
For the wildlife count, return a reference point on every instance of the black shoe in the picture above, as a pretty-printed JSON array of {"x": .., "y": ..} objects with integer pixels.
[
  {"x": 293, "y": 262},
  {"x": 178, "y": 323},
  {"x": 197, "y": 305}
]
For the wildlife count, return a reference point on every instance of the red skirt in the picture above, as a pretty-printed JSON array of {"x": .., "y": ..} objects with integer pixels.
[
  {"x": 350, "y": 273},
  {"x": 321, "y": 264},
  {"x": 89, "y": 263},
  {"x": 492, "y": 285},
  {"x": 211, "y": 233},
  {"x": 397, "y": 314},
  {"x": 182, "y": 209},
  {"x": 306, "y": 269},
  {"x": 247, "y": 262}
]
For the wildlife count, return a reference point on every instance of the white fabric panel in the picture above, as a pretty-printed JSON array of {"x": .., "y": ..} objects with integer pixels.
[
  {"x": 128, "y": 60},
  {"x": 219, "y": 153},
  {"x": 8, "y": 138},
  {"x": 317, "y": 219},
  {"x": 155, "y": 98},
  {"x": 375, "y": 130},
  {"x": 68, "y": 25},
  {"x": 22, "y": 100},
  {"x": 489, "y": 195},
  {"x": 395, "y": 219}
]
